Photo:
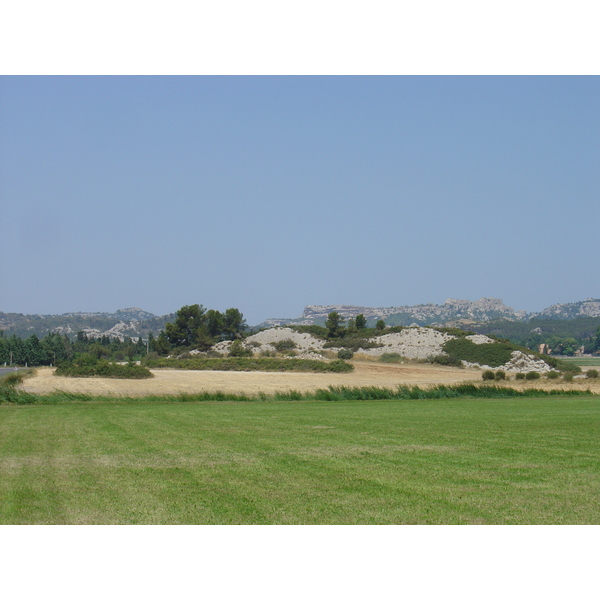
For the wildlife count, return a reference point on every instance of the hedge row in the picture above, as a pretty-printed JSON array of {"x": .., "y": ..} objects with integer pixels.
[
  {"x": 103, "y": 369},
  {"x": 250, "y": 364}
]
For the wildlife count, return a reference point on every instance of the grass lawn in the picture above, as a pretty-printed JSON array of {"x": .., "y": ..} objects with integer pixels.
[
  {"x": 521, "y": 461},
  {"x": 583, "y": 361}
]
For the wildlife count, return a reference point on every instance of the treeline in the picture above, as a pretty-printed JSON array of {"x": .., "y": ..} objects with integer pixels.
[
  {"x": 54, "y": 348},
  {"x": 194, "y": 327}
]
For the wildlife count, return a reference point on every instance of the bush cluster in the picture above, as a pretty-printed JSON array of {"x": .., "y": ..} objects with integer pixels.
[
  {"x": 390, "y": 357},
  {"x": 285, "y": 345},
  {"x": 103, "y": 368},
  {"x": 591, "y": 374},
  {"x": 238, "y": 350},
  {"x": 491, "y": 376},
  {"x": 446, "y": 360},
  {"x": 345, "y": 354},
  {"x": 494, "y": 354}
]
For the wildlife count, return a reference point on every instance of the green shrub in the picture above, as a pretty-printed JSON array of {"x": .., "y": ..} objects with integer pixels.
[
  {"x": 568, "y": 376},
  {"x": 446, "y": 360},
  {"x": 284, "y": 345},
  {"x": 591, "y": 374},
  {"x": 552, "y": 374},
  {"x": 345, "y": 354},
  {"x": 532, "y": 375},
  {"x": 488, "y": 375},
  {"x": 314, "y": 330},
  {"x": 520, "y": 376},
  {"x": 237, "y": 350},
  {"x": 16, "y": 377},
  {"x": 339, "y": 366},
  {"x": 500, "y": 376},
  {"x": 390, "y": 357},
  {"x": 494, "y": 354}
]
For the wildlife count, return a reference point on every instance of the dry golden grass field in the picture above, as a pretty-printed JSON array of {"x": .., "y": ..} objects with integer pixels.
[{"x": 173, "y": 381}]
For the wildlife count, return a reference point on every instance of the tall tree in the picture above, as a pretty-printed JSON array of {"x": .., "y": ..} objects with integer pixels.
[
  {"x": 334, "y": 324},
  {"x": 215, "y": 323},
  {"x": 351, "y": 326},
  {"x": 188, "y": 326},
  {"x": 361, "y": 322},
  {"x": 161, "y": 345},
  {"x": 234, "y": 323}
]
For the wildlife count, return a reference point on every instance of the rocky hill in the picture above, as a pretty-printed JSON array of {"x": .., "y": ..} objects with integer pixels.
[
  {"x": 411, "y": 343},
  {"x": 573, "y": 310}
]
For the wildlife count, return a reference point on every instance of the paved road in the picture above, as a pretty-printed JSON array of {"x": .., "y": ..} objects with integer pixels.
[{"x": 4, "y": 371}]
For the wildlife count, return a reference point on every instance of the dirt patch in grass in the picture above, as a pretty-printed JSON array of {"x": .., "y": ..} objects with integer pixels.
[{"x": 172, "y": 381}]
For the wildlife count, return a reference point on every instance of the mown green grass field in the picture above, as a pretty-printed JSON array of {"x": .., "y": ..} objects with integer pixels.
[
  {"x": 465, "y": 461},
  {"x": 583, "y": 361}
]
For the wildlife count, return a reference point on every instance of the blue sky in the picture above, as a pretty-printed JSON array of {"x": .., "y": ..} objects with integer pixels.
[{"x": 270, "y": 193}]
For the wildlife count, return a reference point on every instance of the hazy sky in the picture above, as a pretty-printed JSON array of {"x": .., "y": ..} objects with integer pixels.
[{"x": 270, "y": 193}]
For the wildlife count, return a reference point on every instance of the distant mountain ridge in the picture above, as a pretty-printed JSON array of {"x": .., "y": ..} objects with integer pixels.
[
  {"x": 452, "y": 311},
  {"x": 585, "y": 308},
  {"x": 131, "y": 314},
  {"x": 135, "y": 322},
  {"x": 483, "y": 309},
  {"x": 131, "y": 322}
]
